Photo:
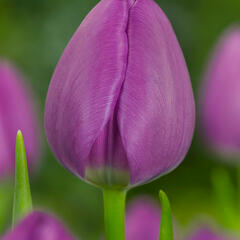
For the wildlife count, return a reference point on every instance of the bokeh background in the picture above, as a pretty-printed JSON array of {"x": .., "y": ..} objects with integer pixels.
[{"x": 33, "y": 35}]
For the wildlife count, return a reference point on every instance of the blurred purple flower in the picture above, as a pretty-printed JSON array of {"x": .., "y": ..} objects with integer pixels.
[
  {"x": 143, "y": 220},
  {"x": 221, "y": 96},
  {"x": 120, "y": 107},
  {"x": 38, "y": 226},
  {"x": 16, "y": 112},
  {"x": 205, "y": 233}
]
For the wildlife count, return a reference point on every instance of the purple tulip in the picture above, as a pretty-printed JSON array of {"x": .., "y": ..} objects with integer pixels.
[
  {"x": 120, "y": 107},
  {"x": 205, "y": 233},
  {"x": 221, "y": 96},
  {"x": 143, "y": 220},
  {"x": 38, "y": 226},
  {"x": 16, "y": 112}
]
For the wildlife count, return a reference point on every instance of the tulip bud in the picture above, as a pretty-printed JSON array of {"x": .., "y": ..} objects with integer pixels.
[
  {"x": 221, "y": 96},
  {"x": 38, "y": 226},
  {"x": 143, "y": 220},
  {"x": 16, "y": 112},
  {"x": 120, "y": 108}
]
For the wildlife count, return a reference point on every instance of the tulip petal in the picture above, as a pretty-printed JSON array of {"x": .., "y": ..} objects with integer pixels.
[
  {"x": 92, "y": 69},
  {"x": 4, "y": 153},
  {"x": 143, "y": 220},
  {"x": 38, "y": 226},
  {"x": 156, "y": 106},
  {"x": 206, "y": 234}
]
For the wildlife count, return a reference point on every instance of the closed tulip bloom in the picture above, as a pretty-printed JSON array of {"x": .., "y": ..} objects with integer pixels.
[
  {"x": 120, "y": 108},
  {"x": 16, "y": 112},
  {"x": 38, "y": 226},
  {"x": 220, "y": 96},
  {"x": 143, "y": 220}
]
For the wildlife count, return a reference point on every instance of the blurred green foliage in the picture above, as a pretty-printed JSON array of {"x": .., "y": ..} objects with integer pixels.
[{"x": 34, "y": 33}]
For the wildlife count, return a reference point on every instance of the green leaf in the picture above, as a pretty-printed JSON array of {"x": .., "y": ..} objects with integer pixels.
[
  {"x": 166, "y": 228},
  {"x": 5, "y": 203},
  {"x": 22, "y": 194}
]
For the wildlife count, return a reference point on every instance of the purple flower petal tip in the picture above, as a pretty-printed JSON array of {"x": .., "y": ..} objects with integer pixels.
[
  {"x": 16, "y": 112},
  {"x": 143, "y": 220},
  {"x": 38, "y": 226},
  {"x": 120, "y": 108},
  {"x": 205, "y": 233},
  {"x": 220, "y": 98}
]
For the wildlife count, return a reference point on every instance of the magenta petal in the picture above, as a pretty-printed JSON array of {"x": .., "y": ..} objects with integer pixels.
[
  {"x": 221, "y": 96},
  {"x": 143, "y": 220},
  {"x": 85, "y": 87},
  {"x": 4, "y": 153},
  {"x": 38, "y": 226},
  {"x": 16, "y": 112},
  {"x": 120, "y": 107},
  {"x": 205, "y": 233},
  {"x": 156, "y": 110}
]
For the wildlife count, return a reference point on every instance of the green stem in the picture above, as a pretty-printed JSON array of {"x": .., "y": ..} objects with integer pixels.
[
  {"x": 22, "y": 195},
  {"x": 238, "y": 197},
  {"x": 114, "y": 214},
  {"x": 224, "y": 197}
]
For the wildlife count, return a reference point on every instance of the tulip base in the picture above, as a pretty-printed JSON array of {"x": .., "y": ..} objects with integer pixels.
[
  {"x": 108, "y": 176},
  {"x": 114, "y": 214}
]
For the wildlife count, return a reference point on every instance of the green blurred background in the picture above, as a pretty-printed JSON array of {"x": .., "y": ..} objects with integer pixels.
[{"x": 34, "y": 33}]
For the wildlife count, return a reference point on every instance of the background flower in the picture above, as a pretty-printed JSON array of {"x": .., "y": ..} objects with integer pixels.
[
  {"x": 17, "y": 111},
  {"x": 220, "y": 96},
  {"x": 143, "y": 219},
  {"x": 38, "y": 226},
  {"x": 207, "y": 234}
]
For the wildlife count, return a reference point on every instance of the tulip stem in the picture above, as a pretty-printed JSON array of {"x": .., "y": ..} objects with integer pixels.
[
  {"x": 22, "y": 195},
  {"x": 238, "y": 194},
  {"x": 114, "y": 214},
  {"x": 224, "y": 197}
]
